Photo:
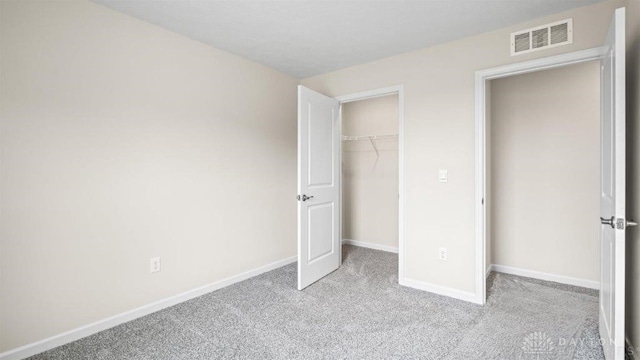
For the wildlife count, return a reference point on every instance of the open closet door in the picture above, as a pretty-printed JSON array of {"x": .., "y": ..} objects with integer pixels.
[
  {"x": 612, "y": 194},
  {"x": 319, "y": 240}
]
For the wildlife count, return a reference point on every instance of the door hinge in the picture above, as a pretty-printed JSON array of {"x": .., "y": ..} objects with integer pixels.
[
  {"x": 482, "y": 201},
  {"x": 298, "y": 197},
  {"x": 620, "y": 224}
]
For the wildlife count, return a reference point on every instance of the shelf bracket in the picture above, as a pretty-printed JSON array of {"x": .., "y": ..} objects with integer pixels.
[{"x": 374, "y": 146}]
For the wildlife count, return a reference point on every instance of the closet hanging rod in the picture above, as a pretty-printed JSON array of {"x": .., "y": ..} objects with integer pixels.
[{"x": 369, "y": 137}]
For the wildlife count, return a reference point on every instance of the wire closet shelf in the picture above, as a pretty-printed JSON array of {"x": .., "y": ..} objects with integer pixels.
[{"x": 372, "y": 139}]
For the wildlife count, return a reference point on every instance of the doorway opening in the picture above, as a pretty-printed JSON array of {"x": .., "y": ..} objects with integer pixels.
[
  {"x": 372, "y": 178},
  {"x": 543, "y": 175},
  {"x": 370, "y": 173},
  {"x": 484, "y": 80},
  {"x": 320, "y": 173}
]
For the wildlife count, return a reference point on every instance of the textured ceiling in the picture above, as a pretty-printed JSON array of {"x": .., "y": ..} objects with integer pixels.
[{"x": 306, "y": 38}]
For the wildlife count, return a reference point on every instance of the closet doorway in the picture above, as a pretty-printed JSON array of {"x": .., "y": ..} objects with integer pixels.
[
  {"x": 543, "y": 175},
  {"x": 320, "y": 177},
  {"x": 370, "y": 173},
  {"x": 372, "y": 181}
]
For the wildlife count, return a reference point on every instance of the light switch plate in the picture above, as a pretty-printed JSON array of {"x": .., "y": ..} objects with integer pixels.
[
  {"x": 442, "y": 254},
  {"x": 154, "y": 265},
  {"x": 443, "y": 176}
]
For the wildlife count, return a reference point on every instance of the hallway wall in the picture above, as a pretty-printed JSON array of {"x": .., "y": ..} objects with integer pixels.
[{"x": 545, "y": 171}]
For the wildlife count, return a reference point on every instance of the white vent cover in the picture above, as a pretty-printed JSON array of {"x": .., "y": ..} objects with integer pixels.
[{"x": 542, "y": 37}]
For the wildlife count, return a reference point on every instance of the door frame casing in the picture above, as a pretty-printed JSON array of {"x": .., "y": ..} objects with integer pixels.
[
  {"x": 370, "y": 94},
  {"x": 481, "y": 78}
]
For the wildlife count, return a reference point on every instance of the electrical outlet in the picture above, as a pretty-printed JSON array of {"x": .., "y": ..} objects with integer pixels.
[
  {"x": 442, "y": 253},
  {"x": 154, "y": 265}
]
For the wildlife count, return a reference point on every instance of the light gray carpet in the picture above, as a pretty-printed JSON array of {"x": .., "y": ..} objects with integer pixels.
[{"x": 357, "y": 312}]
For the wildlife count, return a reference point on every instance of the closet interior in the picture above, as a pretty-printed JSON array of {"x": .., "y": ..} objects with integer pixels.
[
  {"x": 370, "y": 173},
  {"x": 543, "y": 174}
]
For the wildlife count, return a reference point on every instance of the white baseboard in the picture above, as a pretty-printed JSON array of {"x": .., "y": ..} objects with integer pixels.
[
  {"x": 90, "y": 329},
  {"x": 418, "y": 285},
  {"x": 488, "y": 272},
  {"x": 440, "y": 290},
  {"x": 436, "y": 289},
  {"x": 546, "y": 276},
  {"x": 369, "y": 245},
  {"x": 632, "y": 352}
]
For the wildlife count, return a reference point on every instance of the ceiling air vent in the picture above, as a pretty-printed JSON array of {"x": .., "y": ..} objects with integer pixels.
[{"x": 542, "y": 37}]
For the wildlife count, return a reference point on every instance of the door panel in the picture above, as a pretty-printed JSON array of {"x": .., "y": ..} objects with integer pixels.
[
  {"x": 321, "y": 145},
  {"x": 320, "y": 235},
  {"x": 319, "y": 251},
  {"x": 612, "y": 194}
]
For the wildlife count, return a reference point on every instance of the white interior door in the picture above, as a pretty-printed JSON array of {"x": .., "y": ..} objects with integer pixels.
[
  {"x": 319, "y": 250},
  {"x": 612, "y": 195}
]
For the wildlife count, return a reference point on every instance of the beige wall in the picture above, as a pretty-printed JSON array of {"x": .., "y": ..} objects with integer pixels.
[
  {"x": 113, "y": 131},
  {"x": 121, "y": 141},
  {"x": 439, "y": 128},
  {"x": 545, "y": 156},
  {"x": 633, "y": 171},
  {"x": 369, "y": 182}
]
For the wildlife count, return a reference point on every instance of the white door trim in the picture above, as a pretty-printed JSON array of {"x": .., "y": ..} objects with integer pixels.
[
  {"x": 370, "y": 94},
  {"x": 482, "y": 76}
]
